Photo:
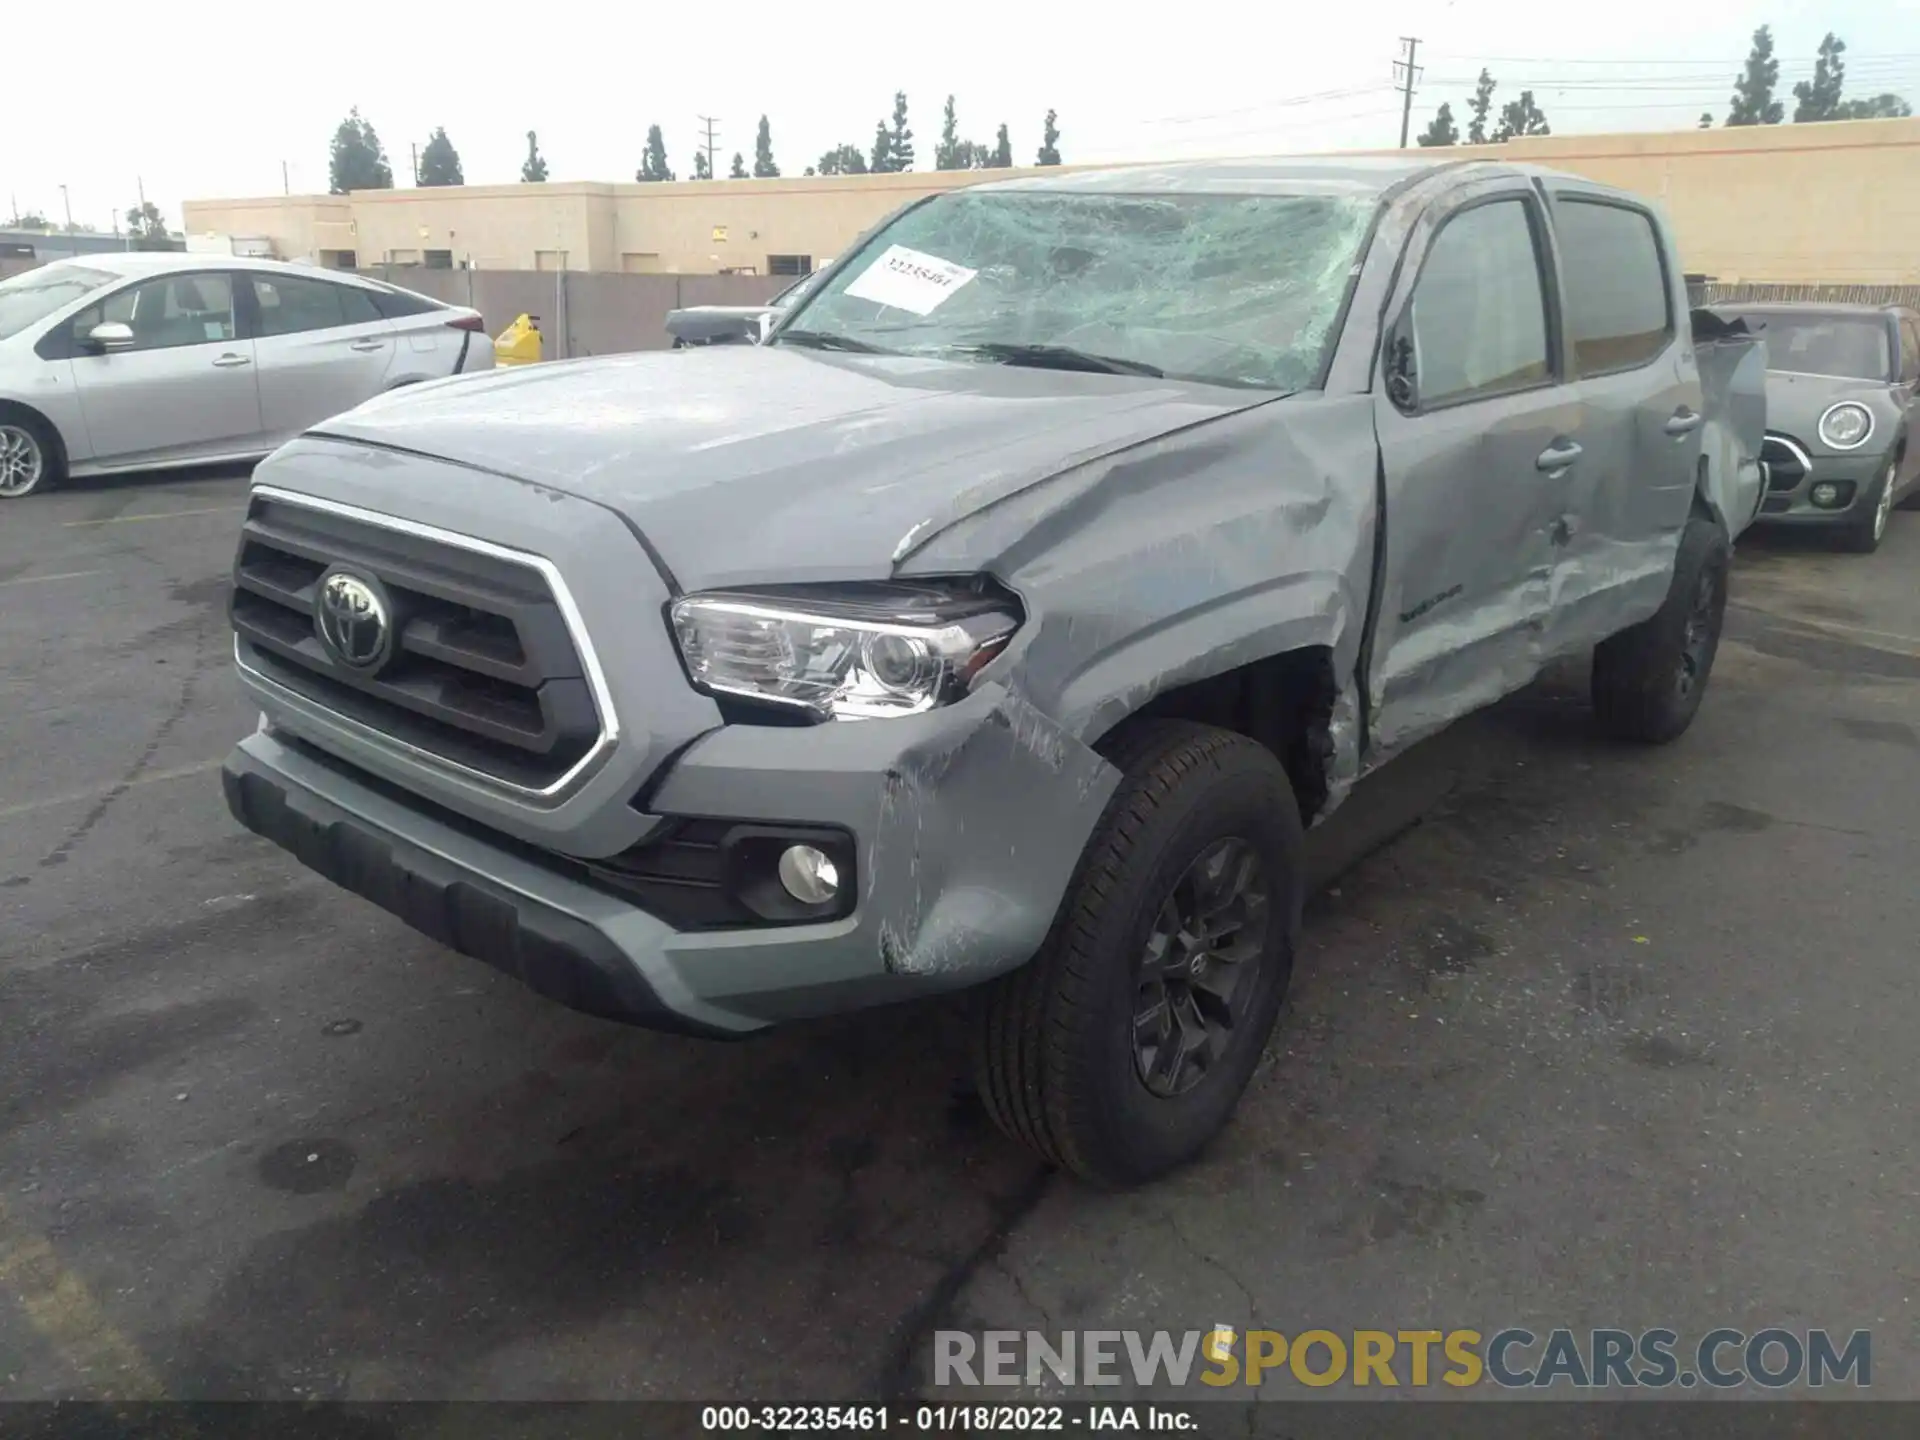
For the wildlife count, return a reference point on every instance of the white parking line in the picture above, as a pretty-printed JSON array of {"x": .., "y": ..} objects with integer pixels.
[
  {"x": 162, "y": 515},
  {"x": 77, "y": 797},
  {"x": 42, "y": 579}
]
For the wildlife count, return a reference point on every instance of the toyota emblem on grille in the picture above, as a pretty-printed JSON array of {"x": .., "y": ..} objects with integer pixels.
[{"x": 353, "y": 620}]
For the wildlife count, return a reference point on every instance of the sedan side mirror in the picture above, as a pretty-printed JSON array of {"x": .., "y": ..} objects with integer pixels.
[{"x": 112, "y": 335}]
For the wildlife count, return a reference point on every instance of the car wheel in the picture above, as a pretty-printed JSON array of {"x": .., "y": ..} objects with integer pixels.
[
  {"x": 29, "y": 456},
  {"x": 1863, "y": 537},
  {"x": 1648, "y": 681},
  {"x": 1120, "y": 1050}
]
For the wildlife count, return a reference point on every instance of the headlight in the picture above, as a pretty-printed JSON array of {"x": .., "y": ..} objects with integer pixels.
[
  {"x": 846, "y": 652},
  {"x": 1846, "y": 426}
]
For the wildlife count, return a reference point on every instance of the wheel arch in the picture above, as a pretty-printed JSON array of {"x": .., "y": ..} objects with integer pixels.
[
  {"x": 1288, "y": 700},
  {"x": 61, "y": 456}
]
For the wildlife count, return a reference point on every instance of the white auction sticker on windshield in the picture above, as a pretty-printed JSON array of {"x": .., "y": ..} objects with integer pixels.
[{"x": 910, "y": 280}]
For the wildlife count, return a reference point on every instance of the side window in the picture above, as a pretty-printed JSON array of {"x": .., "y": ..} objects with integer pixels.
[
  {"x": 359, "y": 306},
  {"x": 166, "y": 313},
  {"x": 291, "y": 305},
  {"x": 1618, "y": 310},
  {"x": 1910, "y": 350},
  {"x": 1479, "y": 313},
  {"x": 396, "y": 304}
]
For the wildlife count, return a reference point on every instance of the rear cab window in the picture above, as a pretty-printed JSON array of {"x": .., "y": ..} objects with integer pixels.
[{"x": 1614, "y": 277}]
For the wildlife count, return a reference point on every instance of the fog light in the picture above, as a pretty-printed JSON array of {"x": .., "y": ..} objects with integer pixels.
[
  {"x": 1826, "y": 495},
  {"x": 808, "y": 875}
]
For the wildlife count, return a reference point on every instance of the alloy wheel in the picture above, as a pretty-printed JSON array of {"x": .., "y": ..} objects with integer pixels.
[
  {"x": 1198, "y": 971},
  {"x": 21, "y": 460},
  {"x": 1883, "y": 512},
  {"x": 1696, "y": 645}
]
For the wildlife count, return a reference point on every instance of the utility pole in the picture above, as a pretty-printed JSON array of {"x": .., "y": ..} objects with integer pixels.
[
  {"x": 286, "y": 188},
  {"x": 416, "y": 163},
  {"x": 1406, "y": 72},
  {"x": 66, "y": 202},
  {"x": 709, "y": 121}
]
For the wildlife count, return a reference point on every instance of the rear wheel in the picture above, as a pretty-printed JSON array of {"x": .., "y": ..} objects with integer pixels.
[
  {"x": 1122, "y": 1048},
  {"x": 1648, "y": 681},
  {"x": 29, "y": 455},
  {"x": 1863, "y": 537}
]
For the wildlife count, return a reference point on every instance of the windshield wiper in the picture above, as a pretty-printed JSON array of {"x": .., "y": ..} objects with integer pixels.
[
  {"x": 1057, "y": 357},
  {"x": 821, "y": 340}
]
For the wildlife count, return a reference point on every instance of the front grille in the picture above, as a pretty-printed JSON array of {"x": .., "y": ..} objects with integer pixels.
[
  {"x": 484, "y": 672},
  {"x": 1786, "y": 465}
]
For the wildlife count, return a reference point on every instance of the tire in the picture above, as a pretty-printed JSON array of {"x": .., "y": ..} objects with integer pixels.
[
  {"x": 30, "y": 456},
  {"x": 1061, "y": 1068},
  {"x": 1864, "y": 535},
  {"x": 1648, "y": 681}
]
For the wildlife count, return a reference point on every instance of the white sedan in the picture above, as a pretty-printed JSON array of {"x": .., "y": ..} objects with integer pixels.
[{"x": 145, "y": 361}]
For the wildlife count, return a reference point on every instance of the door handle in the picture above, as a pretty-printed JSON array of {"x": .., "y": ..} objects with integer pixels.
[
  {"x": 368, "y": 345},
  {"x": 1683, "y": 422},
  {"x": 227, "y": 362},
  {"x": 1558, "y": 456}
]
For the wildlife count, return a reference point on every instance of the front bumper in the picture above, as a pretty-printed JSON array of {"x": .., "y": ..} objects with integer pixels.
[
  {"x": 1788, "y": 499},
  {"x": 967, "y": 824}
]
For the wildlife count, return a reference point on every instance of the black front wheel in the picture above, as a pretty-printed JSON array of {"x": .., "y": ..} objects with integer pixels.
[
  {"x": 1648, "y": 681},
  {"x": 1123, "y": 1047}
]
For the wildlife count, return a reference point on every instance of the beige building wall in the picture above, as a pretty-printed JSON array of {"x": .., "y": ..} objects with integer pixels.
[
  {"x": 1834, "y": 203},
  {"x": 298, "y": 225},
  {"x": 1804, "y": 204}
]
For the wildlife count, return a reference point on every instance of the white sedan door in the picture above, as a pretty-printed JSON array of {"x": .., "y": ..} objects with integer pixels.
[
  {"x": 184, "y": 389},
  {"x": 320, "y": 347}
]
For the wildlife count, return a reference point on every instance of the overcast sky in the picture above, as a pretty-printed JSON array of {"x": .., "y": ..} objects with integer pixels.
[{"x": 209, "y": 103}]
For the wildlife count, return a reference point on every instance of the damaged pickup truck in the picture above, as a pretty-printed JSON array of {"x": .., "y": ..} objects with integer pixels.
[{"x": 1072, "y": 546}]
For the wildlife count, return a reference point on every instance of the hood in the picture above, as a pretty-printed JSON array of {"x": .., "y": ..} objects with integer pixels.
[
  {"x": 1795, "y": 403},
  {"x": 775, "y": 464},
  {"x": 737, "y": 312}
]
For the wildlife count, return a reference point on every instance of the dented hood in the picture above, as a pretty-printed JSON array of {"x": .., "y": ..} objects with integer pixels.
[{"x": 776, "y": 464}]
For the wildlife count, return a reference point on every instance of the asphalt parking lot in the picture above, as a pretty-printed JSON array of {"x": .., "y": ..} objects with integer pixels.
[{"x": 1581, "y": 1036}]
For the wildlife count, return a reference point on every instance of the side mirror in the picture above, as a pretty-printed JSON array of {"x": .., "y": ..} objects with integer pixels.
[
  {"x": 111, "y": 335},
  {"x": 764, "y": 326},
  {"x": 1398, "y": 365}
]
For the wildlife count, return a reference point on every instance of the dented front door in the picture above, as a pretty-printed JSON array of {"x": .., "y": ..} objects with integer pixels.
[{"x": 1478, "y": 434}]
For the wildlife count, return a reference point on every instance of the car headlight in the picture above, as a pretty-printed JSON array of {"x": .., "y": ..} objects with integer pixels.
[
  {"x": 845, "y": 652},
  {"x": 1846, "y": 426}
]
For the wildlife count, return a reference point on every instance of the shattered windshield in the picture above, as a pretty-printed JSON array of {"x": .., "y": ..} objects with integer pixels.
[
  {"x": 1856, "y": 347},
  {"x": 1232, "y": 289}
]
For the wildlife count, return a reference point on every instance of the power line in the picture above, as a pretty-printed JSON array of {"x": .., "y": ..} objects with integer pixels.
[
  {"x": 1407, "y": 72},
  {"x": 1706, "y": 82},
  {"x": 1264, "y": 105},
  {"x": 1849, "y": 57}
]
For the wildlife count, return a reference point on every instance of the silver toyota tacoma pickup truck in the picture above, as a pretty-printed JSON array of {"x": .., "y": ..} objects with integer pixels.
[{"x": 1004, "y": 619}]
